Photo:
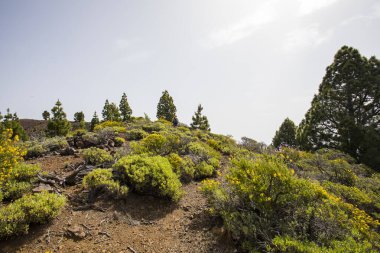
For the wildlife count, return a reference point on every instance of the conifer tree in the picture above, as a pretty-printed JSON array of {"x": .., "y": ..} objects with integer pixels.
[
  {"x": 110, "y": 112},
  {"x": 125, "y": 109},
  {"x": 286, "y": 134},
  {"x": 345, "y": 112},
  {"x": 166, "y": 108},
  {"x": 46, "y": 115},
  {"x": 94, "y": 121},
  {"x": 200, "y": 121},
  {"x": 11, "y": 121},
  {"x": 58, "y": 125},
  {"x": 79, "y": 118}
]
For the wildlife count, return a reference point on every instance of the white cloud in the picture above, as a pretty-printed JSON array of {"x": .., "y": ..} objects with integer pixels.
[
  {"x": 305, "y": 37},
  {"x": 136, "y": 57},
  {"x": 374, "y": 15},
  {"x": 123, "y": 44},
  {"x": 310, "y": 6},
  {"x": 265, "y": 14}
]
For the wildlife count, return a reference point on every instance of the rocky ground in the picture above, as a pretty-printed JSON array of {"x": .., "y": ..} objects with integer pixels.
[{"x": 135, "y": 224}]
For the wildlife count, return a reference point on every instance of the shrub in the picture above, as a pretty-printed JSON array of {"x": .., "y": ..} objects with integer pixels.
[
  {"x": 91, "y": 138},
  {"x": 20, "y": 181},
  {"x": 119, "y": 141},
  {"x": 150, "y": 175},
  {"x": 10, "y": 154},
  {"x": 116, "y": 126},
  {"x": 101, "y": 179},
  {"x": 262, "y": 199},
  {"x": 205, "y": 158},
  {"x": 37, "y": 208},
  {"x": 14, "y": 189},
  {"x": 184, "y": 168},
  {"x": 153, "y": 127},
  {"x": 135, "y": 134},
  {"x": 55, "y": 143},
  {"x": 97, "y": 156},
  {"x": 35, "y": 149},
  {"x": 153, "y": 143}
]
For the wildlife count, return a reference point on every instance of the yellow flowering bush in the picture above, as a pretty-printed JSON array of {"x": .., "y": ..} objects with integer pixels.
[
  {"x": 97, "y": 156},
  {"x": 150, "y": 175},
  {"x": 265, "y": 206},
  {"x": 10, "y": 154},
  {"x": 102, "y": 179}
]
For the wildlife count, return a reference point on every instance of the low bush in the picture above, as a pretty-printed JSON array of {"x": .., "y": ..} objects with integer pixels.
[
  {"x": 135, "y": 134},
  {"x": 153, "y": 127},
  {"x": 37, "y": 209},
  {"x": 97, "y": 156},
  {"x": 35, "y": 149},
  {"x": 183, "y": 167},
  {"x": 115, "y": 125},
  {"x": 101, "y": 179},
  {"x": 91, "y": 138},
  {"x": 55, "y": 143},
  {"x": 262, "y": 199},
  {"x": 205, "y": 158},
  {"x": 150, "y": 175},
  {"x": 20, "y": 181},
  {"x": 119, "y": 141}
]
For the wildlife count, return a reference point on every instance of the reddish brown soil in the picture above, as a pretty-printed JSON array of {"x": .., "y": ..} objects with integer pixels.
[{"x": 136, "y": 224}]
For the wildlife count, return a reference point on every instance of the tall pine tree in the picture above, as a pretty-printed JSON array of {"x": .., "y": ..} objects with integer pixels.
[
  {"x": 286, "y": 134},
  {"x": 79, "y": 118},
  {"x": 58, "y": 123},
  {"x": 94, "y": 121},
  {"x": 200, "y": 121},
  {"x": 125, "y": 109},
  {"x": 110, "y": 112},
  {"x": 345, "y": 112},
  {"x": 166, "y": 108}
]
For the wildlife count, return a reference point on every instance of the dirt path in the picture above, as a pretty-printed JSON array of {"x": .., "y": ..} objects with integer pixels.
[{"x": 136, "y": 224}]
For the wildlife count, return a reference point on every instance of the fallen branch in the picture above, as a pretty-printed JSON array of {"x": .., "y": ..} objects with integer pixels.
[{"x": 131, "y": 249}]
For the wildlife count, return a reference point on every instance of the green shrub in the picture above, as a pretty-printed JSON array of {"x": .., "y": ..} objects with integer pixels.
[
  {"x": 14, "y": 189},
  {"x": 101, "y": 179},
  {"x": 119, "y": 141},
  {"x": 20, "y": 181},
  {"x": 97, "y": 156},
  {"x": 205, "y": 158},
  {"x": 35, "y": 149},
  {"x": 24, "y": 171},
  {"x": 150, "y": 175},
  {"x": 262, "y": 199},
  {"x": 109, "y": 124},
  {"x": 184, "y": 168},
  {"x": 153, "y": 127},
  {"x": 349, "y": 193},
  {"x": 135, "y": 134},
  {"x": 91, "y": 138},
  {"x": 37, "y": 208}
]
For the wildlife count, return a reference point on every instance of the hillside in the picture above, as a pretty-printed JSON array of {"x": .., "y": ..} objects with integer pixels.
[{"x": 177, "y": 189}]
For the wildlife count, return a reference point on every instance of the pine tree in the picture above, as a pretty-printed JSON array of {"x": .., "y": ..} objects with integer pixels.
[
  {"x": 286, "y": 134},
  {"x": 166, "y": 108},
  {"x": 125, "y": 109},
  {"x": 200, "y": 121},
  {"x": 58, "y": 125},
  {"x": 46, "y": 115},
  {"x": 11, "y": 121},
  {"x": 110, "y": 112},
  {"x": 345, "y": 112},
  {"x": 94, "y": 121},
  {"x": 79, "y": 118}
]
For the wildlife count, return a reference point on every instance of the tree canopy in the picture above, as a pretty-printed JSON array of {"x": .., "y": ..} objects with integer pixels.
[
  {"x": 110, "y": 112},
  {"x": 345, "y": 112},
  {"x": 200, "y": 121},
  {"x": 58, "y": 125},
  {"x": 286, "y": 134},
  {"x": 166, "y": 108},
  {"x": 125, "y": 109}
]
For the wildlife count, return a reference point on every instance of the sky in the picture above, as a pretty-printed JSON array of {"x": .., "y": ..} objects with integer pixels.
[{"x": 249, "y": 63}]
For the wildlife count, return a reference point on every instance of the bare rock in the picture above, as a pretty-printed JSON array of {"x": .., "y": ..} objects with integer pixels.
[
  {"x": 43, "y": 187},
  {"x": 76, "y": 232}
]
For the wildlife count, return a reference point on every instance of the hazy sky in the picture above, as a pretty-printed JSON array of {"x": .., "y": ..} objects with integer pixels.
[{"x": 250, "y": 63}]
